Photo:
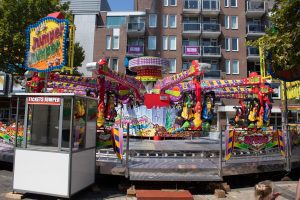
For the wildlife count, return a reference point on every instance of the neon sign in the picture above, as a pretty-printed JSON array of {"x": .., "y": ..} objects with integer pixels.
[{"x": 46, "y": 45}]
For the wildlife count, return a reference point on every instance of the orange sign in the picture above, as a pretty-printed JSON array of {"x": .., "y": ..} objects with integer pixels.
[{"x": 46, "y": 45}]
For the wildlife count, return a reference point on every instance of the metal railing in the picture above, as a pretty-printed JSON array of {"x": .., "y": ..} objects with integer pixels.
[
  {"x": 211, "y": 5},
  {"x": 209, "y": 27},
  {"x": 192, "y": 5},
  {"x": 191, "y": 50},
  {"x": 212, "y": 74},
  {"x": 136, "y": 26},
  {"x": 211, "y": 50},
  {"x": 253, "y": 51},
  {"x": 255, "y": 6},
  {"x": 191, "y": 27},
  {"x": 254, "y": 28}
]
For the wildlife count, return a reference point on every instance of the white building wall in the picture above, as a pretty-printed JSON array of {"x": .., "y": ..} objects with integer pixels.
[{"x": 84, "y": 34}]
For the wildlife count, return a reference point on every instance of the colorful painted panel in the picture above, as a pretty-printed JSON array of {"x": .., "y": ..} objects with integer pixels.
[
  {"x": 46, "y": 44},
  {"x": 253, "y": 142}
]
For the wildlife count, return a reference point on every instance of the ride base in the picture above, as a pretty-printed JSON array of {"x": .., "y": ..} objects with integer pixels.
[{"x": 198, "y": 159}]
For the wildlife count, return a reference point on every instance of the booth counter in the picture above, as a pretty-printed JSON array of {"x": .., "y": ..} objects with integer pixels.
[{"x": 57, "y": 153}]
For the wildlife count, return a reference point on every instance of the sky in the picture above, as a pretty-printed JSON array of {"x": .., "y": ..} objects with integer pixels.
[{"x": 121, "y": 5}]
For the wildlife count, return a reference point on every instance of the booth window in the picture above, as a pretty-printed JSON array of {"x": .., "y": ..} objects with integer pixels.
[
  {"x": 66, "y": 124},
  {"x": 79, "y": 128},
  {"x": 43, "y": 125}
]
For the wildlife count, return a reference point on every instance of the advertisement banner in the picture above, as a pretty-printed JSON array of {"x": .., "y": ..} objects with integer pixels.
[
  {"x": 46, "y": 45},
  {"x": 134, "y": 49},
  {"x": 190, "y": 50}
]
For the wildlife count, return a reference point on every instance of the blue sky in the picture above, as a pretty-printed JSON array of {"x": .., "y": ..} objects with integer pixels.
[{"x": 121, "y": 5}]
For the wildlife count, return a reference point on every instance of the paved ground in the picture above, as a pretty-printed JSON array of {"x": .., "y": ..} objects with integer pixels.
[{"x": 110, "y": 188}]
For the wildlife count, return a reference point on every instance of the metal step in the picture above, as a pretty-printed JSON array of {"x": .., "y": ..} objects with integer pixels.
[
  {"x": 173, "y": 176},
  {"x": 171, "y": 164}
]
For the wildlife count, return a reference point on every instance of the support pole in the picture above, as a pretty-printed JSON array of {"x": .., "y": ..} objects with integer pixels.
[
  {"x": 127, "y": 152},
  {"x": 285, "y": 130}
]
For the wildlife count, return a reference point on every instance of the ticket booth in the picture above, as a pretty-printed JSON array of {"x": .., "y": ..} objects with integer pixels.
[{"x": 57, "y": 153}]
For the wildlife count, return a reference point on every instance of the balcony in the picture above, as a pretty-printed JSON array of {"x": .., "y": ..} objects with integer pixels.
[
  {"x": 210, "y": 7},
  {"x": 252, "y": 54},
  {"x": 254, "y": 30},
  {"x": 191, "y": 52},
  {"x": 136, "y": 29},
  {"x": 190, "y": 29},
  {"x": 211, "y": 51},
  {"x": 211, "y": 30},
  {"x": 255, "y": 9},
  {"x": 191, "y": 6},
  {"x": 135, "y": 50},
  {"x": 212, "y": 75}
]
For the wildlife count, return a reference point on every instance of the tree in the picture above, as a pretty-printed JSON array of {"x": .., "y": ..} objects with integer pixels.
[
  {"x": 79, "y": 56},
  {"x": 282, "y": 39},
  {"x": 15, "y": 16}
]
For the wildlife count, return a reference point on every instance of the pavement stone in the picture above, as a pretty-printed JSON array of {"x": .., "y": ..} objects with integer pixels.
[{"x": 287, "y": 189}]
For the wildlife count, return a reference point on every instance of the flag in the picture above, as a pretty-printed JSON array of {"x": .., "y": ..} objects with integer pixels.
[
  {"x": 229, "y": 139},
  {"x": 281, "y": 143},
  {"x": 117, "y": 134}
]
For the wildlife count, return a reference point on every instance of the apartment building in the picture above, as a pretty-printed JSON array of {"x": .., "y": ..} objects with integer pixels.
[
  {"x": 85, "y": 16},
  {"x": 211, "y": 31}
]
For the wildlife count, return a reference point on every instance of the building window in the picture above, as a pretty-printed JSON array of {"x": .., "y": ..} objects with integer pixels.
[
  {"x": 235, "y": 67},
  {"x": 166, "y": 2},
  {"x": 114, "y": 64},
  {"x": 165, "y": 21},
  {"x": 276, "y": 90},
  {"x": 173, "y": 2},
  {"x": 152, "y": 42},
  {"x": 227, "y": 66},
  {"x": 227, "y": 44},
  {"x": 165, "y": 42},
  {"x": 234, "y": 22},
  {"x": 226, "y": 22},
  {"x": 233, "y": 3},
  {"x": 115, "y": 42},
  {"x": 108, "y": 42},
  {"x": 152, "y": 20},
  {"x": 172, "y": 65},
  {"x": 226, "y": 3},
  {"x": 235, "y": 44},
  {"x": 172, "y": 19},
  {"x": 172, "y": 42}
]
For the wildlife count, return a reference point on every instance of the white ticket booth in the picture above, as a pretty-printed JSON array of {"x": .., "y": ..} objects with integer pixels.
[{"x": 56, "y": 156}]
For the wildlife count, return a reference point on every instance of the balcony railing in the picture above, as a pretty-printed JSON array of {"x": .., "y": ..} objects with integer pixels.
[
  {"x": 254, "y": 28},
  {"x": 134, "y": 26},
  {"x": 191, "y": 27},
  {"x": 191, "y": 50},
  {"x": 193, "y": 5},
  {"x": 208, "y": 27},
  {"x": 211, "y": 5},
  {"x": 211, "y": 50},
  {"x": 255, "y": 6},
  {"x": 135, "y": 49},
  {"x": 212, "y": 74},
  {"x": 252, "y": 51}
]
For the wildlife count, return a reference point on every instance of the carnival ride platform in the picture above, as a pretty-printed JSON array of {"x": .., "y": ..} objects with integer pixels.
[
  {"x": 6, "y": 152},
  {"x": 188, "y": 160}
]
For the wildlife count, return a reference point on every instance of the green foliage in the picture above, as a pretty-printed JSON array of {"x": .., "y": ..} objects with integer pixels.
[
  {"x": 15, "y": 16},
  {"x": 79, "y": 55},
  {"x": 282, "y": 39}
]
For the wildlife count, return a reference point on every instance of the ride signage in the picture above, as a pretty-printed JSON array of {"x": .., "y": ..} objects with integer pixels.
[
  {"x": 46, "y": 44},
  {"x": 53, "y": 101}
]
